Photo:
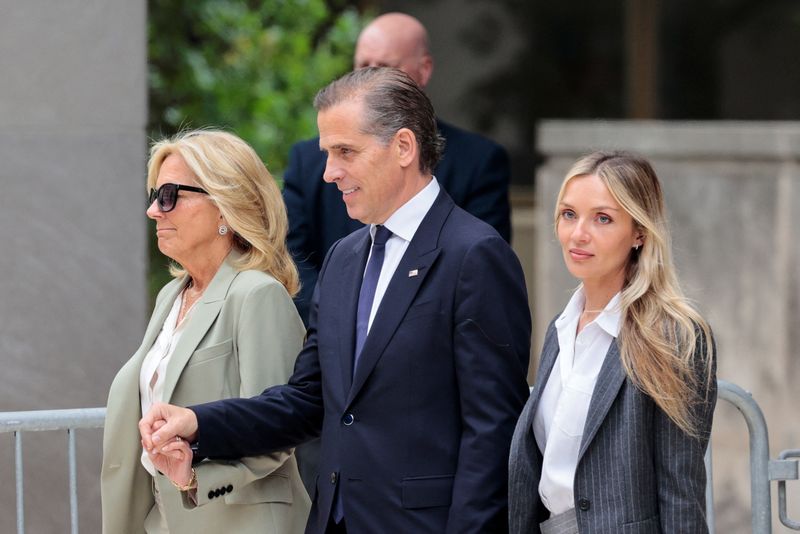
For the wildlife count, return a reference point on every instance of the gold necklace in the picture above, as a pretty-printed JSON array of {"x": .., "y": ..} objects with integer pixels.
[{"x": 185, "y": 307}]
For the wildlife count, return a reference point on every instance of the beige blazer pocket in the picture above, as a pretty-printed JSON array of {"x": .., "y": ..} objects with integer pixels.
[
  {"x": 274, "y": 488},
  {"x": 206, "y": 354}
]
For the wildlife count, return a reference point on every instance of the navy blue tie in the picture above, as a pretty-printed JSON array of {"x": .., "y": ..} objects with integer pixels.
[
  {"x": 367, "y": 294},
  {"x": 365, "y": 298}
]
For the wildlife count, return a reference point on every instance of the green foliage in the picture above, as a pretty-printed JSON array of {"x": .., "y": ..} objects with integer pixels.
[{"x": 252, "y": 67}]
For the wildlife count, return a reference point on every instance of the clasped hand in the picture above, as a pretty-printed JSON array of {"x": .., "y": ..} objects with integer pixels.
[{"x": 166, "y": 432}]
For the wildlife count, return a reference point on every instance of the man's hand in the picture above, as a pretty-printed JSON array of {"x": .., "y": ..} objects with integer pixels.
[
  {"x": 174, "y": 461},
  {"x": 163, "y": 423}
]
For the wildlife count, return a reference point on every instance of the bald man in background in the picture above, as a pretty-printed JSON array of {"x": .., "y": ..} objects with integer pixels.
[{"x": 474, "y": 171}]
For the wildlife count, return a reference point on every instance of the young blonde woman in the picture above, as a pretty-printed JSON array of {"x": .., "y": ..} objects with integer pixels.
[
  {"x": 224, "y": 327},
  {"x": 613, "y": 436}
]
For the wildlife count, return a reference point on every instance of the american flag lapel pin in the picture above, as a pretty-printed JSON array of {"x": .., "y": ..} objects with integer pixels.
[{"x": 413, "y": 272}]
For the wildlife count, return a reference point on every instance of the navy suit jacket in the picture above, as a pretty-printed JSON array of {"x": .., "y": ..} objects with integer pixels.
[
  {"x": 417, "y": 438},
  {"x": 474, "y": 171}
]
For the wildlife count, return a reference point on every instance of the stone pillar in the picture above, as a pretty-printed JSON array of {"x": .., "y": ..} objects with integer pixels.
[
  {"x": 73, "y": 108},
  {"x": 732, "y": 191}
]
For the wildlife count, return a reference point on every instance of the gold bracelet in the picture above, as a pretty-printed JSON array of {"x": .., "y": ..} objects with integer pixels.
[{"x": 192, "y": 484}]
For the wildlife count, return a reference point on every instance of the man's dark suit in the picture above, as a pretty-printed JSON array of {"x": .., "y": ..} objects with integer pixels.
[
  {"x": 474, "y": 171},
  {"x": 417, "y": 439}
]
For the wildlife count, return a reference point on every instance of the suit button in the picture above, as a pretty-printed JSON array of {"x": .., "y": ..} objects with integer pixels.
[
  {"x": 217, "y": 492},
  {"x": 210, "y": 495},
  {"x": 229, "y": 488},
  {"x": 333, "y": 478},
  {"x": 584, "y": 504},
  {"x": 348, "y": 419}
]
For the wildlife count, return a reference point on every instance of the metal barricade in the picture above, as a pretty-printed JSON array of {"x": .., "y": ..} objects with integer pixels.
[
  {"x": 69, "y": 420},
  {"x": 762, "y": 469}
]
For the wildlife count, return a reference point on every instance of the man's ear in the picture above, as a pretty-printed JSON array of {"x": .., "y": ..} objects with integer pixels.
[
  {"x": 425, "y": 70},
  {"x": 405, "y": 146}
]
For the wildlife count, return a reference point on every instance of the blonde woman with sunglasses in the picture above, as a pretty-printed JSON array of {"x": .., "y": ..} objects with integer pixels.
[{"x": 225, "y": 326}]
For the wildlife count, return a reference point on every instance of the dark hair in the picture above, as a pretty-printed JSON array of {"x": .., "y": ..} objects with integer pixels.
[{"x": 392, "y": 100}]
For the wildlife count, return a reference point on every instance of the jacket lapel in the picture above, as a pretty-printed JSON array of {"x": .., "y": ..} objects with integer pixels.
[
  {"x": 127, "y": 382},
  {"x": 347, "y": 301},
  {"x": 525, "y": 458},
  {"x": 203, "y": 316},
  {"x": 420, "y": 255},
  {"x": 609, "y": 382},
  {"x": 550, "y": 350},
  {"x": 171, "y": 292}
]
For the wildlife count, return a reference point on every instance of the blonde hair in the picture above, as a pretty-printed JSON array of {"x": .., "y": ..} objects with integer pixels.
[
  {"x": 665, "y": 345},
  {"x": 244, "y": 191}
]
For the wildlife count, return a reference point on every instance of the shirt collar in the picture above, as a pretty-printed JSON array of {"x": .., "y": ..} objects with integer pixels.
[
  {"x": 407, "y": 218},
  {"x": 609, "y": 319}
]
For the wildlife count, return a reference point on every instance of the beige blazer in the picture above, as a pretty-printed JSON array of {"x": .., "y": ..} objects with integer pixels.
[{"x": 243, "y": 336}]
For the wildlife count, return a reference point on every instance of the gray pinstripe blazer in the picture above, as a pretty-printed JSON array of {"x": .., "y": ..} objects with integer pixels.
[{"x": 637, "y": 472}]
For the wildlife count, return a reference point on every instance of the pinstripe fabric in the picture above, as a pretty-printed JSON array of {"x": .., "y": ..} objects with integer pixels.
[
  {"x": 563, "y": 523},
  {"x": 637, "y": 472}
]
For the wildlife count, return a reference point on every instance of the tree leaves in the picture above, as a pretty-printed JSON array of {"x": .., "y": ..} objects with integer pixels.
[{"x": 252, "y": 67}]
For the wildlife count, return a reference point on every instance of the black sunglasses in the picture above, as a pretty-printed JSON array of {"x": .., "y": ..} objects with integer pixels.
[{"x": 167, "y": 195}]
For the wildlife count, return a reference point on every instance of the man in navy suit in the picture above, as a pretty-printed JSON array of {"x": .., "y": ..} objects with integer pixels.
[
  {"x": 474, "y": 171},
  {"x": 414, "y": 367}
]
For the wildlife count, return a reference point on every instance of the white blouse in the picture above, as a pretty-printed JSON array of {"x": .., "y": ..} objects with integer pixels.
[
  {"x": 154, "y": 366},
  {"x": 561, "y": 414}
]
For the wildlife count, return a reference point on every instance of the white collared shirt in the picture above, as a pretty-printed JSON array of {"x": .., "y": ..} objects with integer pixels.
[
  {"x": 403, "y": 224},
  {"x": 564, "y": 403}
]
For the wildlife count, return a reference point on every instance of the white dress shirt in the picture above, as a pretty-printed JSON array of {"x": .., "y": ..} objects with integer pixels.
[
  {"x": 154, "y": 366},
  {"x": 403, "y": 224},
  {"x": 561, "y": 414}
]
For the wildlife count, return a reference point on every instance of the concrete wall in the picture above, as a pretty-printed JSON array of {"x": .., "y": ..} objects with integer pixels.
[
  {"x": 732, "y": 191},
  {"x": 72, "y": 145}
]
